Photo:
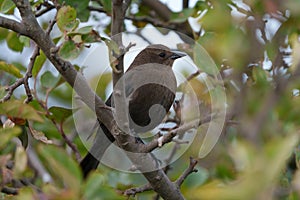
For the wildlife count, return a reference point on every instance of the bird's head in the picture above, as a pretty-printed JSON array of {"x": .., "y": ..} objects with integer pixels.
[{"x": 157, "y": 53}]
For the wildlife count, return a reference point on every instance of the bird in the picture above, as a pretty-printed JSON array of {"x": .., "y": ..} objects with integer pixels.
[{"x": 150, "y": 88}]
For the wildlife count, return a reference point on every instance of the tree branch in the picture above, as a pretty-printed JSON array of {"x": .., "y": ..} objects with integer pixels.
[
  {"x": 48, "y": 7},
  {"x": 24, "y": 80},
  {"x": 12, "y": 25},
  {"x": 187, "y": 172},
  {"x": 178, "y": 131},
  {"x": 143, "y": 161},
  {"x": 161, "y": 9},
  {"x": 118, "y": 15},
  {"x": 134, "y": 191},
  {"x": 157, "y": 178},
  {"x": 165, "y": 14}
]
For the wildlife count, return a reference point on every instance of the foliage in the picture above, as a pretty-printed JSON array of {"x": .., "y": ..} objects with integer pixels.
[{"x": 258, "y": 153}]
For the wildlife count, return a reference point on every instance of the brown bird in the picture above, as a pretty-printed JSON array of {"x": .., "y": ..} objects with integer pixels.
[{"x": 150, "y": 87}]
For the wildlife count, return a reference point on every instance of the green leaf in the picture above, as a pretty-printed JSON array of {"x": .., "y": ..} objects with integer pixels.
[
  {"x": 69, "y": 50},
  {"x": 204, "y": 61},
  {"x": 106, "y": 5},
  {"x": 101, "y": 84},
  {"x": 95, "y": 189},
  {"x": 13, "y": 42},
  {"x": 18, "y": 109},
  {"x": 256, "y": 179},
  {"x": 182, "y": 16},
  {"x": 91, "y": 37},
  {"x": 20, "y": 162},
  {"x": 3, "y": 33},
  {"x": 25, "y": 40},
  {"x": 60, "y": 113},
  {"x": 62, "y": 166},
  {"x": 81, "y": 7},
  {"x": 94, "y": 182},
  {"x": 6, "y": 135},
  {"x": 20, "y": 66},
  {"x": 84, "y": 30},
  {"x": 11, "y": 69},
  {"x": 38, "y": 135},
  {"x": 2, "y": 92},
  {"x": 38, "y": 64},
  {"x": 217, "y": 18},
  {"x": 66, "y": 19},
  {"x": 26, "y": 193},
  {"x": 6, "y": 6},
  {"x": 88, "y": 35},
  {"x": 259, "y": 76},
  {"x": 48, "y": 80}
]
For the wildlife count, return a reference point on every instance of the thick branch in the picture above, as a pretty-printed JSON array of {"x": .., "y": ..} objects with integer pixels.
[
  {"x": 12, "y": 25},
  {"x": 161, "y": 9},
  {"x": 118, "y": 15}
]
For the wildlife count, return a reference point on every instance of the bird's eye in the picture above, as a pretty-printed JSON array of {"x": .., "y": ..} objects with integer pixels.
[{"x": 162, "y": 54}]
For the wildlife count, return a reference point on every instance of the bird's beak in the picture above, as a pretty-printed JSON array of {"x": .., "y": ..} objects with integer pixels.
[{"x": 176, "y": 55}]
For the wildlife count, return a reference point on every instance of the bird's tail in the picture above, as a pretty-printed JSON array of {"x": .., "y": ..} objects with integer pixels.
[
  {"x": 88, "y": 164},
  {"x": 103, "y": 140}
]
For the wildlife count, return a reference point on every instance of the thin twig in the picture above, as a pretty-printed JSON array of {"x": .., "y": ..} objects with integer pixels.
[
  {"x": 48, "y": 7},
  {"x": 178, "y": 131},
  {"x": 50, "y": 26},
  {"x": 189, "y": 78},
  {"x": 134, "y": 191},
  {"x": 69, "y": 142},
  {"x": 188, "y": 171},
  {"x": 24, "y": 80}
]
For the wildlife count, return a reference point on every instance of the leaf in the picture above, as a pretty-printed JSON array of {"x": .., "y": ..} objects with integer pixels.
[
  {"x": 66, "y": 19},
  {"x": 101, "y": 84},
  {"x": 256, "y": 178},
  {"x": 85, "y": 30},
  {"x": 69, "y": 50},
  {"x": 26, "y": 193},
  {"x": 91, "y": 37},
  {"x": 48, "y": 80},
  {"x": 20, "y": 162},
  {"x": 38, "y": 64},
  {"x": 38, "y": 135},
  {"x": 18, "y": 109},
  {"x": 25, "y": 40},
  {"x": 6, "y": 135},
  {"x": 60, "y": 113},
  {"x": 217, "y": 18},
  {"x": 95, "y": 189},
  {"x": 11, "y": 69},
  {"x": 259, "y": 76},
  {"x": 204, "y": 61},
  {"x": 112, "y": 47},
  {"x": 3, "y": 33},
  {"x": 62, "y": 166},
  {"x": 2, "y": 92},
  {"x": 81, "y": 7},
  {"x": 6, "y": 6},
  {"x": 13, "y": 42},
  {"x": 92, "y": 185},
  {"x": 20, "y": 66},
  {"x": 106, "y": 5},
  {"x": 182, "y": 16},
  {"x": 88, "y": 35}
]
